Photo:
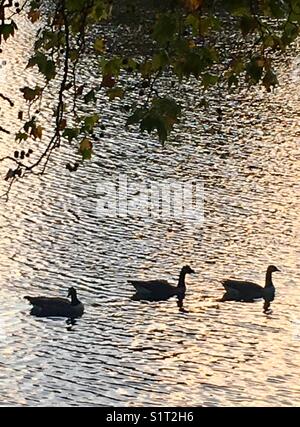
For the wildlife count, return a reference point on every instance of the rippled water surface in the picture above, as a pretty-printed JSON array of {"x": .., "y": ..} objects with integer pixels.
[{"x": 125, "y": 352}]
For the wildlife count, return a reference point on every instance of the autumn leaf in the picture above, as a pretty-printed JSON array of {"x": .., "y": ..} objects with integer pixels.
[
  {"x": 37, "y": 132},
  {"x": 62, "y": 124},
  {"x": 99, "y": 45},
  {"x": 89, "y": 123},
  {"x": 34, "y": 15},
  {"x": 192, "y": 5},
  {"x": 108, "y": 81},
  {"x": 85, "y": 148},
  {"x": 79, "y": 90},
  {"x": 116, "y": 92}
]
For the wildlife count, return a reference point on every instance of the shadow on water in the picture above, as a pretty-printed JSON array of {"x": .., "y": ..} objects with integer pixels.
[
  {"x": 71, "y": 322},
  {"x": 179, "y": 299},
  {"x": 266, "y": 305}
]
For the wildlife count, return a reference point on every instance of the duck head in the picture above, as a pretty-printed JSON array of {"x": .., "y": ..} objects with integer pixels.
[
  {"x": 272, "y": 269},
  {"x": 72, "y": 292},
  {"x": 187, "y": 270}
]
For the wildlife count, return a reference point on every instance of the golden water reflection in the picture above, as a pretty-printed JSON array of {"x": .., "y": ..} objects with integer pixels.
[{"x": 137, "y": 353}]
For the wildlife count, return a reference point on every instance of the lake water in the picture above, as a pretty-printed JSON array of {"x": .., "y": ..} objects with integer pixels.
[{"x": 125, "y": 352}]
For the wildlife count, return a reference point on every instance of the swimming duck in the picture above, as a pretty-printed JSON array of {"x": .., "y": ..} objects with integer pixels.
[
  {"x": 160, "y": 289},
  {"x": 247, "y": 291},
  {"x": 57, "y": 307}
]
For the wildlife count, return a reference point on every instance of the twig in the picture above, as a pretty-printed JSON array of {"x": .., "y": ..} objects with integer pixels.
[
  {"x": 4, "y": 130},
  {"x": 6, "y": 193},
  {"x": 55, "y": 140},
  {"x": 7, "y": 99}
]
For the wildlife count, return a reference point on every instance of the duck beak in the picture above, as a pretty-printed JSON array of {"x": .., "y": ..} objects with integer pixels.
[
  {"x": 193, "y": 271},
  {"x": 277, "y": 269}
]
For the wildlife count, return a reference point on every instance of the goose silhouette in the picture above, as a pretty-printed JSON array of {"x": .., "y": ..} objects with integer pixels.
[
  {"x": 56, "y": 307},
  {"x": 156, "y": 290},
  {"x": 237, "y": 290}
]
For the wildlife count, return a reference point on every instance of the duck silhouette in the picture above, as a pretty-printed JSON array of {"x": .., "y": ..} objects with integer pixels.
[
  {"x": 156, "y": 290},
  {"x": 57, "y": 307},
  {"x": 237, "y": 290}
]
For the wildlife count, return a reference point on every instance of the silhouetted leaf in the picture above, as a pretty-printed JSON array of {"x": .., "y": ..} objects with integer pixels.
[
  {"x": 21, "y": 136},
  {"x": 270, "y": 79},
  {"x": 209, "y": 80},
  {"x": 99, "y": 45},
  {"x": 70, "y": 133},
  {"x": 90, "y": 96},
  {"x": 31, "y": 94},
  {"x": 7, "y": 30},
  {"x": 85, "y": 148},
  {"x": 255, "y": 70},
  {"x": 89, "y": 123},
  {"x": 46, "y": 66},
  {"x": 165, "y": 28},
  {"x": 116, "y": 92},
  {"x": 248, "y": 24}
]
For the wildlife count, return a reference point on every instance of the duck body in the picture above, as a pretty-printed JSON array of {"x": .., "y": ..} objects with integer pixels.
[
  {"x": 156, "y": 290},
  {"x": 237, "y": 290},
  {"x": 240, "y": 290},
  {"x": 56, "y": 307}
]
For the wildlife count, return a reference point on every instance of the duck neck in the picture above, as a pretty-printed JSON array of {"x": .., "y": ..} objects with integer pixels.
[
  {"x": 74, "y": 299},
  {"x": 269, "y": 282},
  {"x": 181, "y": 281}
]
